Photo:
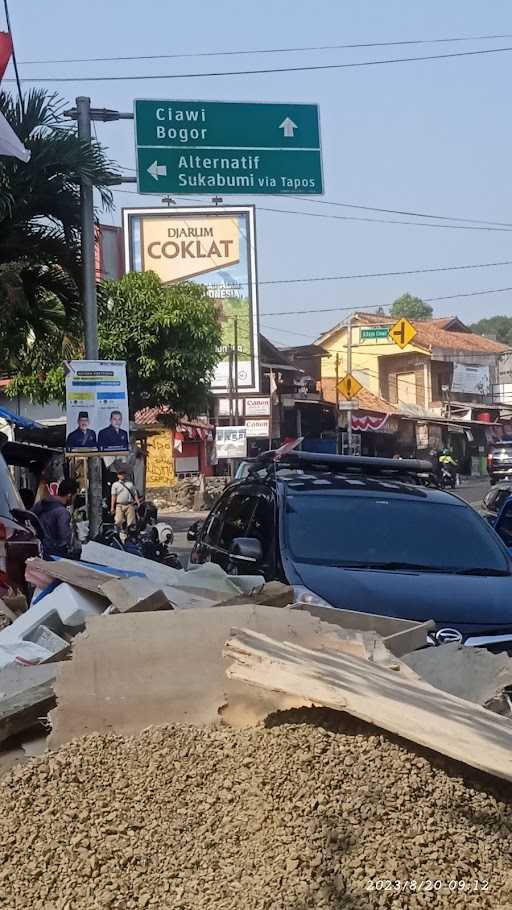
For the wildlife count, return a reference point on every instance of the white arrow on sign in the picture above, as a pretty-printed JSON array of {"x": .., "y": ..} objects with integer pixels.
[
  {"x": 157, "y": 170},
  {"x": 288, "y": 126}
]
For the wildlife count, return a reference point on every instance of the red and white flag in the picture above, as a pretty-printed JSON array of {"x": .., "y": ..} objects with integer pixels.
[
  {"x": 9, "y": 143},
  {"x": 5, "y": 51}
]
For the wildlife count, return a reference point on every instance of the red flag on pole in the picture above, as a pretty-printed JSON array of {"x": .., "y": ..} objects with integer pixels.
[{"x": 5, "y": 51}]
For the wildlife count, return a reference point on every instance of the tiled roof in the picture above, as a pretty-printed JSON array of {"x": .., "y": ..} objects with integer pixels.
[
  {"x": 433, "y": 333},
  {"x": 367, "y": 400},
  {"x": 150, "y": 416}
]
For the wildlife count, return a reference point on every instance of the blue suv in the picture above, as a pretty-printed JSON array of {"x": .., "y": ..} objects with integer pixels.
[{"x": 365, "y": 534}]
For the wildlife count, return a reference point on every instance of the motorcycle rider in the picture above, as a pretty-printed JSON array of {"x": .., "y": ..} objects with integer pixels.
[{"x": 447, "y": 461}]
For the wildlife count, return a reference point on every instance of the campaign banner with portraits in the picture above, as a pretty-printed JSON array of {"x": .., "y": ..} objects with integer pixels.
[{"x": 97, "y": 419}]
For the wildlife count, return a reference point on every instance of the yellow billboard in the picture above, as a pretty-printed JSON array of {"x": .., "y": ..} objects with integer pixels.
[
  {"x": 213, "y": 246},
  {"x": 178, "y": 249}
]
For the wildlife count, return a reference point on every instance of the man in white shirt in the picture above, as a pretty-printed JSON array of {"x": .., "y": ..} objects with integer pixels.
[{"x": 124, "y": 498}]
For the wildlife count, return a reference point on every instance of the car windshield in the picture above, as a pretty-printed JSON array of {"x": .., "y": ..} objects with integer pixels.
[
  {"x": 390, "y": 533},
  {"x": 9, "y": 496}
]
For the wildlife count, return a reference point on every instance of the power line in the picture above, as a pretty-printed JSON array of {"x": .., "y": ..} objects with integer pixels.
[
  {"x": 359, "y": 275},
  {"x": 270, "y": 50},
  {"x": 373, "y": 208},
  {"x": 340, "y": 309},
  {"x": 452, "y": 227},
  {"x": 259, "y": 72}
]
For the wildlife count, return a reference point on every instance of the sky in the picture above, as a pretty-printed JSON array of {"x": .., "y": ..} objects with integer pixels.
[{"x": 431, "y": 136}]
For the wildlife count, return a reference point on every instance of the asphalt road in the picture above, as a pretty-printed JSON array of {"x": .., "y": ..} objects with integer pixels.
[{"x": 472, "y": 491}]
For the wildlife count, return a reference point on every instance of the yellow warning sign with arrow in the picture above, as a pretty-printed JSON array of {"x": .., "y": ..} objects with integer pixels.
[
  {"x": 349, "y": 386},
  {"x": 402, "y": 332}
]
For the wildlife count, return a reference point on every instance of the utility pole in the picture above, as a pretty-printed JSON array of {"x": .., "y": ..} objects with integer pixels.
[
  {"x": 235, "y": 369},
  {"x": 270, "y": 415},
  {"x": 83, "y": 107},
  {"x": 337, "y": 404},
  {"x": 349, "y": 371},
  {"x": 230, "y": 383}
]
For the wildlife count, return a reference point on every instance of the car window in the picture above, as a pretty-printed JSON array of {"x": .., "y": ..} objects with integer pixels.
[
  {"x": 213, "y": 523},
  {"x": 262, "y": 524},
  {"x": 236, "y": 518},
  {"x": 368, "y": 530}
]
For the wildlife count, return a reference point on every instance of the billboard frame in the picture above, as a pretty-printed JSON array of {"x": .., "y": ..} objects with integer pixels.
[{"x": 220, "y": 211}]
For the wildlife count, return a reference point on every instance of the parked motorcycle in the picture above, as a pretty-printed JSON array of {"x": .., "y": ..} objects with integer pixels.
[{"x": 146, "y": 543}]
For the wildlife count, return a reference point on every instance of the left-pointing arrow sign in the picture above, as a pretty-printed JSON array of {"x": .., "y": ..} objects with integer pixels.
[{"x": 157, "y": 170}]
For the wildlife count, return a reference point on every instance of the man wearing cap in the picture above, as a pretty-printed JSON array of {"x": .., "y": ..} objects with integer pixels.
[
  {"x": 83, "y": 437},
  {"x": 124, "y": 498}
]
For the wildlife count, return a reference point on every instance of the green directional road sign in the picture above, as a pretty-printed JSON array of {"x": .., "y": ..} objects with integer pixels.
[
  {"x": 227, "y": 147},
  {"x": 371, "y": 334}
]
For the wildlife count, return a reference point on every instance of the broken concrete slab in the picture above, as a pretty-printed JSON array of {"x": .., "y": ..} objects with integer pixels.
[
  {"x": 167, "y": 667},
  {"x": 471, "y": 673},
  {"x": 400, "y": 635},
  {"x": 117, "y": 559},
  {"x": 270, "y": 594},
  {"x": 26, "y": 696},
  {"x": 62, "y": 611},
  {"x": 58, "y": 648},
  {"x": 75, "y": 573},
  {"x": 134, "y": 595},
  {"x": 409, "y": 708}
]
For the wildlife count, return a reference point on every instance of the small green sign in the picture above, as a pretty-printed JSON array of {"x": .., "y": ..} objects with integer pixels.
[
  {"x": 227, "y": 147},
  {"x": 377, "y": 332}
]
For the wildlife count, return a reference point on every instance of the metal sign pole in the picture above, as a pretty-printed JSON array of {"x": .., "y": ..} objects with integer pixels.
[
  {"x": 83, "y": 106},
  {"x": 337, "y": 404},
  {"x": 349, "y": 372}
]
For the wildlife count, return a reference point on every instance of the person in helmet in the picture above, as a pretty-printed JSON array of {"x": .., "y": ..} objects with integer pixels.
[{"x": 447, "y": 461}]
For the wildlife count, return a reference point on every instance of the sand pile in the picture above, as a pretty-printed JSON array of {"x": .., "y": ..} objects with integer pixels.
[{"x": 285, "y": 818}]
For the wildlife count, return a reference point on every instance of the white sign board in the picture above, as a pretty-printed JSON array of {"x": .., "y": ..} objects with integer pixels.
[
  {"x": 96, "y": 407},
  {"x": 187, "y": 465},
  {"x": 231, "y": 442},
  {"x": 213, "y": 247},
  {"x": 471, "y": 380},
  {"x": 257, "y": 407},
  {"x": 257, "y": 428}
]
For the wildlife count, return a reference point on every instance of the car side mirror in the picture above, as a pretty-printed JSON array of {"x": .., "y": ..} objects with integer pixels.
[
  {"x": 193, "y": 531},
  {"x": 247, "y": 549}
]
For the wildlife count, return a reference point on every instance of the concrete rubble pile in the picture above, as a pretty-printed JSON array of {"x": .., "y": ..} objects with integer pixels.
[
  {"x": 182, "y": 496},
  {"x": 209, "y": 742}
]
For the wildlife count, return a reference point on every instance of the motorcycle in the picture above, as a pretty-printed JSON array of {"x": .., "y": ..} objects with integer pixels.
[
  {"x": 146, "y": 543},
  {"x": 148, "y": 537},
  {"x": 448, "y": 479}
]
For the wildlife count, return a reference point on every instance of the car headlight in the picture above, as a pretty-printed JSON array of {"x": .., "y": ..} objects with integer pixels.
[{"x": 302, "y": 595}]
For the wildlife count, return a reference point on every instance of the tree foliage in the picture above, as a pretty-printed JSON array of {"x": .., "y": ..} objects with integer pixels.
[
  {"x": 499, "y": 327},
  {"x": 411, "y": 307},
  {"x": 40, "y": 199},
  {"x": 169, "y": 337}
]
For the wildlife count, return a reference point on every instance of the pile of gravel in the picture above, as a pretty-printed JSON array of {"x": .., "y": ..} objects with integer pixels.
[{"x": 286, "y": 818}]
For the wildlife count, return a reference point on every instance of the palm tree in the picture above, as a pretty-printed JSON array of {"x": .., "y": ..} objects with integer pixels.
[
  {"x": 41, "y": 321},
  {"x": 40, "y": 200}
]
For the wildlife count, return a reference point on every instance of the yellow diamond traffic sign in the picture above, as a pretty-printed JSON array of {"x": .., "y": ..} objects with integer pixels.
[
  {"x": 402, "y": 332},
  {"x": 349, "y": 386}
]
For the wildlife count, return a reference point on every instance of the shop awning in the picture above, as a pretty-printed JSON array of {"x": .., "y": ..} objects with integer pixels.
[{"x": 17, "y": 420}]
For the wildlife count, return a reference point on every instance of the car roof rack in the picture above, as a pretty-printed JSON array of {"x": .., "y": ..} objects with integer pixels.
[{"x": 341, "y": 464}]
